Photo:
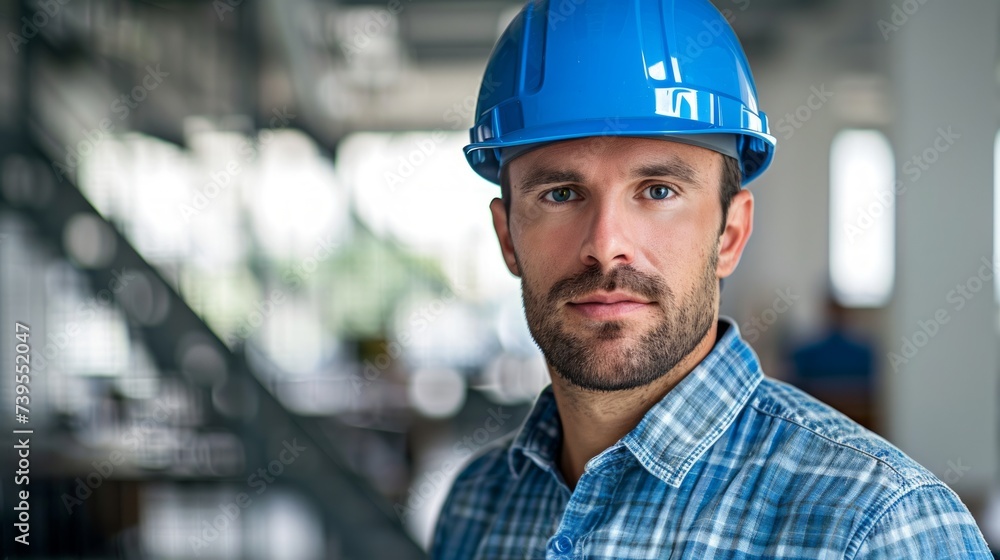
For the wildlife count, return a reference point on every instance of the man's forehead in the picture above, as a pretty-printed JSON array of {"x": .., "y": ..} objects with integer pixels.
[{"x": 625, "y": 158}]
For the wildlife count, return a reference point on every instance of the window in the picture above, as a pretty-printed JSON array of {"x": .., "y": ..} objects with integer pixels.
[{"x": 862, "y": 218}]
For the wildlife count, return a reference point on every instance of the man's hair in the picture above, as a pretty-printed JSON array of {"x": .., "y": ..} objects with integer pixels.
[{"x": 729, "y": 185}]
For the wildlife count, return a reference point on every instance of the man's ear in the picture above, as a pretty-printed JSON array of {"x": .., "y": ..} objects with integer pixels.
[
  {"x": 502, "y": 227},
  {"x": 736, "y": 233}
]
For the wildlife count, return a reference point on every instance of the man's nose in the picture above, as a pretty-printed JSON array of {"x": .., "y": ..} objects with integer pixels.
[{"x": 607, "y": 235}]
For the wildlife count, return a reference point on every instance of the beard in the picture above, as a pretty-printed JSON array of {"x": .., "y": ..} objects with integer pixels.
[{"x": 586, "y": 362}]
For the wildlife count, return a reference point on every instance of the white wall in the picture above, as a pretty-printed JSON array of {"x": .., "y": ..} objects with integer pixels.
[{"x": 942, "y": 403}]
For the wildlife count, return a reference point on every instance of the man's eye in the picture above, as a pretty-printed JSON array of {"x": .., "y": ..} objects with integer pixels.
[
  {"x": 560, "y": 195},
  {"x": 660, "y": 192}
]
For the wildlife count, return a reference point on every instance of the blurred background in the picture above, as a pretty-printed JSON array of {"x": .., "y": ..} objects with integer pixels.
[{"x": 266, "y": 312}]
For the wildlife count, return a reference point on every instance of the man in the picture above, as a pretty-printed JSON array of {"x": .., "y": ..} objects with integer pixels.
[{"x": 620, "y": 133}]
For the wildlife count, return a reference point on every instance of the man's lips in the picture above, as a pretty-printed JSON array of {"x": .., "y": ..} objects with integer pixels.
[{"x": 605, "y": 307}]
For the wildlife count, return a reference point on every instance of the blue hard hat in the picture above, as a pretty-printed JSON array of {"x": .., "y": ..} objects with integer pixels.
[{"x": 647, "y": 68}]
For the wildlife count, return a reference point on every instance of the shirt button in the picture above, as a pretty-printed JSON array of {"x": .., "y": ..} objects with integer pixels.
[{"x": 562, "y": 544}]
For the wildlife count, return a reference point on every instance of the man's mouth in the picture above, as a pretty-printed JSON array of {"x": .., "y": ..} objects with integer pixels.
[{"x": 608, "y": 306}]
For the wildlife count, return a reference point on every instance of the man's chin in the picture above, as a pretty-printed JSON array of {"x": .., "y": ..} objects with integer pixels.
[
  {"x": 608, "y": 381},
  {"x": 608, "y": 365}
]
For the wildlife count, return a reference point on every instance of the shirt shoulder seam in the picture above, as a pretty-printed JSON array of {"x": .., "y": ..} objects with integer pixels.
[
  {"x": 882, "y": 509},
  {"x": 904, "y": 479}
]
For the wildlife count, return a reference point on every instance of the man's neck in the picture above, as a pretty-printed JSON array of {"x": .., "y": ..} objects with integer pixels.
[{"x": 594, "y": 421}]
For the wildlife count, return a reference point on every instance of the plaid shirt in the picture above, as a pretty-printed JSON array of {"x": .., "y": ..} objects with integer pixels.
[{"x": 730, "y": 464}]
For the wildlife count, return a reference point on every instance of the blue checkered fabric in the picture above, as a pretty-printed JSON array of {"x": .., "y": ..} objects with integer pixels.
[{"x": 730, "y": 464}]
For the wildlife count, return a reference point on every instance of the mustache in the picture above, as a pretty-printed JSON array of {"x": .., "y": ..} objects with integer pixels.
[{"x": 624, "y": 278}]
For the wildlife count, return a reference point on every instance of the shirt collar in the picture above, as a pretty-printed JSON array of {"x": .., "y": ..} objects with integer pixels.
[
  {"x": 675, "y": 433},
  {"x": 539, "y": 437}
]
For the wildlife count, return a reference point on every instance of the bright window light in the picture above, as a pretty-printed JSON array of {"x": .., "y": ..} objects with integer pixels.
[
  {"x": 862, "y": 218},
  {"x": 298, "y": 207},
  {"x": 417, "y": 189}
]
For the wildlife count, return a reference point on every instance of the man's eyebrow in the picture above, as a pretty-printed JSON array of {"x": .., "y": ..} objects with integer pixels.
[
  {"x": 539, "y": 177},
  {"x": 672, "y": 167}
]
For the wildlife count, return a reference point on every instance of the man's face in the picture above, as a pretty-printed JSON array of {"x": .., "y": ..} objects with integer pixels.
[{"x": 617, "y": 244}]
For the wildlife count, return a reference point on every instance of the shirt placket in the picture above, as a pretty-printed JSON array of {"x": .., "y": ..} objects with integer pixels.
[{"x": 586, "y": 505}]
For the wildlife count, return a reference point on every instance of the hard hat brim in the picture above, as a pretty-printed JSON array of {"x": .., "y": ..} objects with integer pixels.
[{"x": 756, "y": 148}]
